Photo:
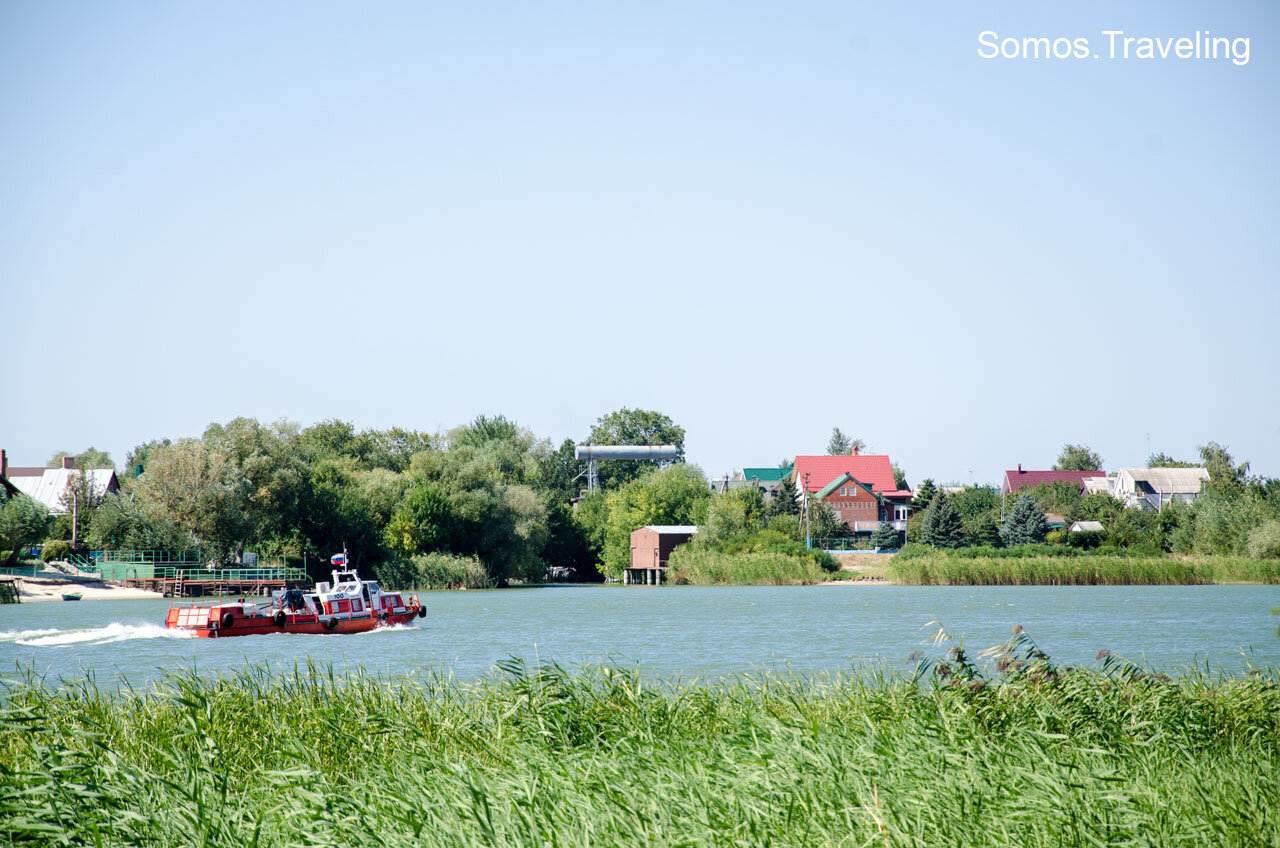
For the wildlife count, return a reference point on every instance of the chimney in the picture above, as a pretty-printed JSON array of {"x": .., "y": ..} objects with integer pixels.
[
  {"x": 1019, "y": 467},
  {"x": 4, "y": 463},
  {"x": 68, "y": 462},
  {"x": 854, "y": 450}
]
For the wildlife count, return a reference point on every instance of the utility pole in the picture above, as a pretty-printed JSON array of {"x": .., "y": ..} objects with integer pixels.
[{"x": 804, "y": 507}]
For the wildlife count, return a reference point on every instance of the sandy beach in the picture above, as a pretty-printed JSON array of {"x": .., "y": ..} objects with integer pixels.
[{"x": 36, "y": 589}]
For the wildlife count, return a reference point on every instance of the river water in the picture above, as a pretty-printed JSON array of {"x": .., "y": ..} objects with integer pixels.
[{"x": 675, "y": 632}]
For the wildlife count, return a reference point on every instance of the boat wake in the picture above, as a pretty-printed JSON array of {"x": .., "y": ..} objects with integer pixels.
[{"x": 113, "y": 632}]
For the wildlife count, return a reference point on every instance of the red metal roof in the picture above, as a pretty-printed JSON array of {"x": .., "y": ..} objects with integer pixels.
[
  {"x": 873, "y": 469},
  {"x": 1018, "y": 479}
]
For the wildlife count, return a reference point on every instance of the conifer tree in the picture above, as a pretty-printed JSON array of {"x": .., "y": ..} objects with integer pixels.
[
  {"x": 784, "y": 501},
  {"x": 1025, "y": 524},
  {"x": 886, "y": 537},
  {"x": 942, "y": 527},
  {"x": 924, "y": 493}
]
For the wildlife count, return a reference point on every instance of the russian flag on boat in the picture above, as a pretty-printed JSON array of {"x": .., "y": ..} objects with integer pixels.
[{"x": 338, "y": 559}]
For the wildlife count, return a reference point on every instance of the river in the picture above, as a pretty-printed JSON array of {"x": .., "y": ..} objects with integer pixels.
[{"x": 675, "y": 632}]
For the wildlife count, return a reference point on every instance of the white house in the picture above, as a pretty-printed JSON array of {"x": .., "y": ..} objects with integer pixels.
[{"x": 1152, "y": 488}]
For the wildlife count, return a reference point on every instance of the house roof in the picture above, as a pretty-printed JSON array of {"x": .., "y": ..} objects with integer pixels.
[
  {"x": 1169, "y": 481},
  {"x": 1095, "y": 526},
  {"x": 1017, "y": 479},
  {"x": 1054, "y": 520},
  {"x": 874, "y": 470},
  {"x": 765, "y": 475},
  {"x": 660, "y": 529},
  {"x": 840, "y": 481},
  {"x": 49, "y": 486}
]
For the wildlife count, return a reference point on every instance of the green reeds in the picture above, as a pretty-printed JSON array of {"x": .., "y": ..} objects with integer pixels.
[
  {"x": 956, "y": 755},
  {"x": 944, "y": 569},
  {"x": 765, "y": 568}
]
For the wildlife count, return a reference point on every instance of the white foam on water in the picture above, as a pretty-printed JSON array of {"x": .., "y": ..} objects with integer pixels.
[
  {"x": 19, "y": 635},
  {"x": 387, "y": 628},
  {"x": 113, "y": 632}
]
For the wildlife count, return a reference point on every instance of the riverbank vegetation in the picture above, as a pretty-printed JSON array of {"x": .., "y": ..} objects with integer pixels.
[
  {"x": 743, "y": 541},
  {"x": 1024, "y": 754},
  {"x": 1235, "y": 514},
  {"x": 416, "y": 509},
  {"x": 1046, "y": 565}
]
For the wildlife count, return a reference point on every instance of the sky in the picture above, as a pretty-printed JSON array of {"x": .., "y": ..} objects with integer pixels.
[{"x": 761, "y": 219}]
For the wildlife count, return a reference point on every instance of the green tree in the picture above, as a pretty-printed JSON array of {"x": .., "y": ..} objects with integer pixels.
[
  {"x": 886, "y": 538},
  {"x": 89, "y": 458},
  {"x": 732, "y": 514},
  {"x": 784, "y": 500},
  {"x": 559, "y": 475},
  {"x": 941, "y": 526},
  {"x": 1163, "y": 460},
  {"x": 1077, "y": 458},
  {"x": 839, "y": 443},
  {"x": 973, "y": 501},
  {"x": 138, "y": 458},
  {"x": 423, "y": 523},
  {"x": 899, "y": 477},
  {"x": 1224, "y": 475},
  {"x": 1025, "y": 523},
  {"x": 677, "y": 494},
  {"x": 633, "y": 427},
  {"x": 121, "y": 522},
  {"x": 823, "y": 523},
  {"x": 23, "y": 521},
  {"x": 983, "y": 529},
  {"x": 924, "y": 494},
  {"x": 200, "y": 491},
  {"x": 1061, "y": 496},
  {"x": 78, "y": 501}
]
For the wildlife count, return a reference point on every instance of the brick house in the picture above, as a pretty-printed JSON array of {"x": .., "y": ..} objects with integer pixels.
[{"x": 859, "y": 488}]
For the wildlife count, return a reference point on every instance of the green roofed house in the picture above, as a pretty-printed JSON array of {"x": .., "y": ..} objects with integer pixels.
[{"x": 766, "y": 480}]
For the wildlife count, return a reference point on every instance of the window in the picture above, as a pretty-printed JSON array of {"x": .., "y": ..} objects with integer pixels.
[
  {"x": 836, "y": 513},
  {"x": 844, "y": 490}
]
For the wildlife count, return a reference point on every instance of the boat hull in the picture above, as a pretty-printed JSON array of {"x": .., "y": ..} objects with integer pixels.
[{"x": 213, "y": 622}]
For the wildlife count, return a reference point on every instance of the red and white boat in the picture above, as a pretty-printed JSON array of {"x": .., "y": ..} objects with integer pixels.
[{"x": 347, "y": 605}]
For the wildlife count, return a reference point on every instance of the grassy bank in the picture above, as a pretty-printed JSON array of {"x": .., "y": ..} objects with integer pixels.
[
  {"x": 950, "y": 569},
  {"x": 764, "y": 568},
  {"x": 1042, "y": 756}
]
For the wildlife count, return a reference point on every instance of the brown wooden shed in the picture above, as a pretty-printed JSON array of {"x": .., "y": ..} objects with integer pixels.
[{"x": 651, "y": 547}]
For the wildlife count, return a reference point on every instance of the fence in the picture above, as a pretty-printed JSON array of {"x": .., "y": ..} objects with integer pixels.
[
  {"x": 847, "y": 543},
  {"x": 142, "y": 571}
]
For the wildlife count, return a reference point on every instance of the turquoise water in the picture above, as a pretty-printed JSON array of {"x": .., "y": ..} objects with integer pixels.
[{"x": 676, "y": 631}]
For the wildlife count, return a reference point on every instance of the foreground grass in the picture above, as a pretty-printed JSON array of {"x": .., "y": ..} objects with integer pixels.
[
  {"x": 1042, "y": 756},
  {"x": 944, "y": 569}
]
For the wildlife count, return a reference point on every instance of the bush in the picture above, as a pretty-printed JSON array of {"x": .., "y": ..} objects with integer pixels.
[
  {"x": 433, "y": 571},
  {"x": 1055, "y": 537},
  {"x": 711, "y": 568},
  {"x": 56, "y": 551},
  {"x": 1264, "y": 541},
  {"x": 1086, "y": 539}
]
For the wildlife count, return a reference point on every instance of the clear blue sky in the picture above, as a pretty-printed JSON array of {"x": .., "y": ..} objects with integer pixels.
[{"x": 762, "y": 219}]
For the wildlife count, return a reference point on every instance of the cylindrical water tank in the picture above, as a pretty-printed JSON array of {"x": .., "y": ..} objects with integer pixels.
[{"x": 625, "y": 452}]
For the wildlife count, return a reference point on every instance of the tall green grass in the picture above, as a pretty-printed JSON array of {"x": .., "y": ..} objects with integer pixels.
[
  {"x": 1036, "y": 755},
  {"x": 705, "y": 567},
  {"x": 946, "y": 569}
]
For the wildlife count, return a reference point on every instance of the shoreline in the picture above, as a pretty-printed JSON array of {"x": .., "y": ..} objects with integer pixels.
[{"x": 37, "y": 590}]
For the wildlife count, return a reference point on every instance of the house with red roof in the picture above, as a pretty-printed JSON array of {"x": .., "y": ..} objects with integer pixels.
[
  {"x": 1014, "y": 481},
  {"x": 858, "y": 487}
]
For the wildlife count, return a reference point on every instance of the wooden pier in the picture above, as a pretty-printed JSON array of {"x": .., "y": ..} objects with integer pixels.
[
  {"x": 188, "y": 587},
  {"x": 10, "y": 590}
]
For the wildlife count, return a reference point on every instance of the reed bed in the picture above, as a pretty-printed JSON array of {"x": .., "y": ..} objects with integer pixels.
[
  {"x": 1032, "y": 755},
  {"x": 945, "y": 569},
  {"x": 764, "y": 568}
]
